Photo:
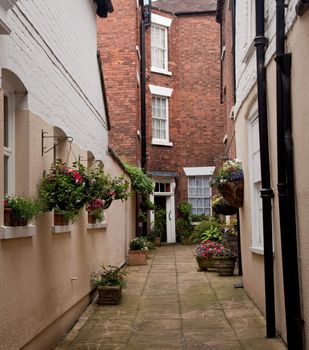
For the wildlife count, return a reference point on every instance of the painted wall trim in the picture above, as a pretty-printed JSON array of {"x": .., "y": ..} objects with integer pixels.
[
  {"x": 199, "y": 171},
  {"x": 160, "y": 20},
  {"x": 160, "y": 90}
]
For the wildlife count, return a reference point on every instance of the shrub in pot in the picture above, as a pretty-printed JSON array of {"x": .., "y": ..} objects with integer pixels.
[
  {"x": 109, "y": 283},
  {"x": 18, "y": 210},
  {"x": 138, "y": 252}
]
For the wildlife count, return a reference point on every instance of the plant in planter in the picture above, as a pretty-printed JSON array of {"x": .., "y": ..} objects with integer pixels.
[
  {"x": 109, "y": 283},
  {"x": 230, "y": 182},
  {"x": 63, "y": 190},
  {"x": 214, "y": 255},
  {"x": 209, "y": 229},
  {"x": 138, "y": 252},
  {"x": 220, "y": 206},
  {"x": 230, "y": 236},
  {"x": 159, "y": 227},
  {"x": 183, "y": 223},
  {"x": 95, "y": 211},
  {"x": 18, "y": 211}
]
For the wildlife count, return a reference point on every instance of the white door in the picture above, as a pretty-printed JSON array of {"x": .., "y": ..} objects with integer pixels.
[{"x": 170, "y": 219}]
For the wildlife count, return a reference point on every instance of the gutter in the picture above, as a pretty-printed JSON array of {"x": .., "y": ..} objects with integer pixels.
[
  {"x": 103, "y": 90},
  {"x": 260, "y": 43},
  {"x": 286, "y": 190}
]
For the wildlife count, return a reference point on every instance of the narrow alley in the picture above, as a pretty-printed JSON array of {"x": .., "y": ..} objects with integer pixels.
[{"x": 168, "y": 304}]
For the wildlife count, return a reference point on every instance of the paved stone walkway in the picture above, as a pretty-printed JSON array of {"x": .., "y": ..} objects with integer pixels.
[{"x": 168, "y": 305}]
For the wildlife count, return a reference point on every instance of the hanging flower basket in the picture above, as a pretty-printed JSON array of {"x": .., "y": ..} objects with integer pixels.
[
  {"x": 220, "y": 206},
  {"x": 232, "y": 192}
]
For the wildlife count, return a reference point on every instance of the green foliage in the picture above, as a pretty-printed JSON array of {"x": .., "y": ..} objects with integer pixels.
[
  {"x": 63, "y": 189},
  {"x": 159, "y": 227},
  {"x": 199, "y": 217},
  {"x": 207, "y": 229},
  {"x": 146, "y": 204},
  {"x": 97, "y": 214},
  {"x": 138, "y": 244},
  {"x": 141, "y": 182},
  {"x": 23, "y": 207},
  {"x": 231, "y": 228},
  {"x": 113, "y": 276},
  {"x": 183, "y": 223}
]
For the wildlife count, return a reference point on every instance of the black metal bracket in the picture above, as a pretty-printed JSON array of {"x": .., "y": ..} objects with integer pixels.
[{"x": 62, "y": 139}]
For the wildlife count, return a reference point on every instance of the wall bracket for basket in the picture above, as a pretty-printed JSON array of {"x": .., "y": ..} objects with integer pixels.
[{"x": 44, "y": 135}]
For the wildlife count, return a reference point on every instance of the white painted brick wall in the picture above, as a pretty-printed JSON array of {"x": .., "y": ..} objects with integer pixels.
[
  {"x": 246, "y": 64},
  {"x": 52, "y": 49}
]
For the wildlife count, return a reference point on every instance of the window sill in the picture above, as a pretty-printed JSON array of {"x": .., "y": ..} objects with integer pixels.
[
  {"x": 12, "y": 232},
  {"x": 61, "y": 229},
  {"x": 160, "y": 71},
  {"x": 96, "y": 226},
  {"x": 257, "y": 250},
  {"x": 161, "y": 143}
]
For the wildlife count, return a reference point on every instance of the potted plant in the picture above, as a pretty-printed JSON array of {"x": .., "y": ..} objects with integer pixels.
[
  {"x": 183, "y": 223},
  {"x": 159, "y": 227},
  {"x": 220, "y": 206},
  {"x": 18, "y": 211},
  {"x": 109, "y": 283},
  {"x": 214, "y": 255},
  {"x": 230, "y": 236},
  {"x": 209, "y": 229},
  {"x": 63, "y": 190},
  {"x": 230, "y": 182},
  {"x": 95, "y": 211},
  {"x": 137, "y": 252}
]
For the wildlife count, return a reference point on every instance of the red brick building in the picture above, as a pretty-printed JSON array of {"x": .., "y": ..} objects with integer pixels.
[{"x": 183, "y": 114}]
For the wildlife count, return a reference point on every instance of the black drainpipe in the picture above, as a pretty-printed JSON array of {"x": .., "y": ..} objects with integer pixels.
[
  {"x": 145, "y": 22},
  {"x": 266, "y": 192},
  {"x": 286, "y": 191}
]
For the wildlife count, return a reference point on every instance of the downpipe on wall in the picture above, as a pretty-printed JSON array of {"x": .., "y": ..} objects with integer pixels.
[
  {"x": 286, "y": 190},
  {"x": 260, "y": 42}
]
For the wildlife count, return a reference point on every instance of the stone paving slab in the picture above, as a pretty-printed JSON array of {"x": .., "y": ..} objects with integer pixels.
[{"x": 169, "y": 305}]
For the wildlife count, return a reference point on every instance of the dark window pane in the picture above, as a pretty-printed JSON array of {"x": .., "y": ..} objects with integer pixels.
[
  {"x": 6, "y": 175},
  {"x": 6, "y": 122}
]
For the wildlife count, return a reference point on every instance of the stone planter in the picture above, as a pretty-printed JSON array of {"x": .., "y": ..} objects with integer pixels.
[
  {"x": 157, "y": 241},
  {"x": 230, "y": 242},
  {"x": 10, "y": 220},
  {"x": 60, "y": 220},
  {"x": 109, "y": 295},
  {"x": 226, "y": 266},
  {"x": 137, "y": 257},
  {"x": 204, "y": 263}
]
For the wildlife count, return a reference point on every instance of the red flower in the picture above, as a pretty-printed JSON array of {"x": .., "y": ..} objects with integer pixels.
[{"x": 6, "y": 203}]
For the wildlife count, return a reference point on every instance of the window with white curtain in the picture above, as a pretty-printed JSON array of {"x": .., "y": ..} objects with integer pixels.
[
  {"x": 199, "y": 194},
  {"x": 160, "y": 118},
  {"x": 255, "y": 179},
  {"x": 159, "y": 58},
  {"x": 8, "y": 145}
]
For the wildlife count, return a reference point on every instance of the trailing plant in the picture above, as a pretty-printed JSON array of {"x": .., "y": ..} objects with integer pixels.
[
  {"x": 111, "y": 276},
  {"x": 22, "y": 207},
  {"x": 229, "y": 171},
  {"x": 141, "y": 182},
  {"x": 95, "y": 208},
  {"x": 63, "y": 189}
]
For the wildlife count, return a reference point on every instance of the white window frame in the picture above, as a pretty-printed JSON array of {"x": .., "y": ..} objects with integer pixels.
[
  {"x": 10, "y": 150},
  {"x": 257, "y": 245},
  {"x": 162, "y": 23},
  {"x": 166, "y": 93},
  {"x": 196, "y": 197}
]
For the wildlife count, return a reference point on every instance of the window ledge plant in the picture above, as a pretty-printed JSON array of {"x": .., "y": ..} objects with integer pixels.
[{"x": 18, "y": 210}]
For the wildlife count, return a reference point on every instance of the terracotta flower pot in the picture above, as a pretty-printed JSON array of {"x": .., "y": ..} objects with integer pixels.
[
  {"x": 60, "y": 220},
  {"x": 109, "y": 295},
  {"x": 137, "y": 257},
  {"x": 10, "y": 220},
  {"x": 157, "y": 241},
  {"x": 91, "y": 219}
]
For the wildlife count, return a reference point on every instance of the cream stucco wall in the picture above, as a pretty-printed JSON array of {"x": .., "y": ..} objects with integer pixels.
[
  {"x": 253, "y": 265},
  {"x": 44, "y": 280},
  {"x": 297, "y": 44}
]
